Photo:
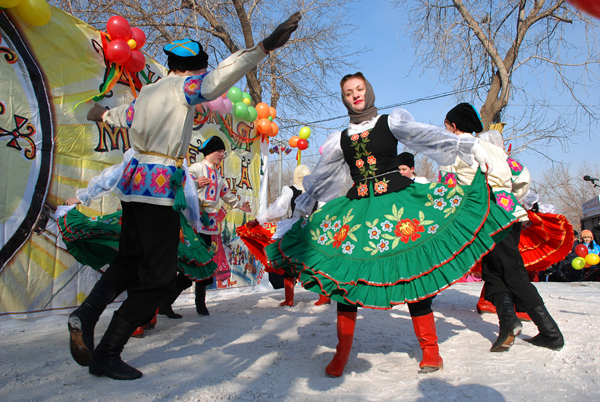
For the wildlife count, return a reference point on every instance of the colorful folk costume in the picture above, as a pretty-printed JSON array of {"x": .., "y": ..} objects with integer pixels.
[
  {"x": 151, "y": 183},
  {"x": 389, "y": 240},
  {"x": 506, "y": 285},
  {"x": 257, "y": 235}
]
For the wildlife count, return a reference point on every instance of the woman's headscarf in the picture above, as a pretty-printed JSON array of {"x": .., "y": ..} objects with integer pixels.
[{"x": 369, "y": 111}]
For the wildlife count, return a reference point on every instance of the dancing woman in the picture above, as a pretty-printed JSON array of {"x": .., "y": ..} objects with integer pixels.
[{"x": 389, "y": 240}]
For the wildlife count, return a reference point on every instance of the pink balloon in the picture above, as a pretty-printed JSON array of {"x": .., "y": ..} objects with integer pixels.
[
  {"x": 139, "y": 36},
  {"x": 321, "y": 150},
  {"x": 227, "y": 105},
  {"x": 216, "y": 105}
]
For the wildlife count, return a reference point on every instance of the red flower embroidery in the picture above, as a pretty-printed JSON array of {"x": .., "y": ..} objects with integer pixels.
[
  {"x": 354, "y": 137},
  {"x": 360, "y": 163},
  {"x": 380, "y": 187},
  {"x": 365, "y": 134},
  {"x": 363, "y": 190},
  {"x": 340, "y": 236},
  {"x": 408, "y": 229},
  {"x": 371, "y": 159}
]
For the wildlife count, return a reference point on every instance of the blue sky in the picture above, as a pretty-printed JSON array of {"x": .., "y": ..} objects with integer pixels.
[{"x": 388, "y": 68}]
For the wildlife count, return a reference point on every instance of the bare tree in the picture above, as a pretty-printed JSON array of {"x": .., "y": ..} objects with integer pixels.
[
  {"x": 567, "y": 192},
  {"x": 293, "y": 79},
  {"x": 496, "y": 47}
]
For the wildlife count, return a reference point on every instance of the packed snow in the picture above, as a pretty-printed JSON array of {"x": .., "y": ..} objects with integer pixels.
[{"x": 251, "y": 349}]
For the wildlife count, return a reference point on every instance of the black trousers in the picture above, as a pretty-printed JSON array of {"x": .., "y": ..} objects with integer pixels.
[
  {"x": 416, "y": 309},
  {"x": 146, "y": 265},
  {"x": 503, "y": 271}
]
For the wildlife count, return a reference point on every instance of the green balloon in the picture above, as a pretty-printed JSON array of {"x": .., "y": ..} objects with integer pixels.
[
  {"x": 578, "y": 263},
  {"x": 246, "y": 95},
  {"x": 241, "y": 110},
  {"x": 235, "y": 95},
  {"x": 252, "y": 114},
  {"x": 270, "y": 118}
]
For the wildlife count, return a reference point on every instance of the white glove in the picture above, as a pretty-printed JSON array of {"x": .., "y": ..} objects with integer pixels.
[{"x": 482, "y": 157}]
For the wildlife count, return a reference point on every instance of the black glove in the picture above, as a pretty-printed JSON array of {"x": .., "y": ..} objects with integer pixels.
[
  {"x": 282, "y": 33},
  {"x": 95, "y": 113}
]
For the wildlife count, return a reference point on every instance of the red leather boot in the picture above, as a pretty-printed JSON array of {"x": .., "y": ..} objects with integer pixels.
[
  {"x": 484, "y": 306},
  {"x": 427, "y": 337},
  {"x": 288, "y": 284},
  {"x": 323, "y": 300},
  {"x": 346, "y": 322},
  {"x": 152, "y": 322},
  {"x": 139, "y": 332}
]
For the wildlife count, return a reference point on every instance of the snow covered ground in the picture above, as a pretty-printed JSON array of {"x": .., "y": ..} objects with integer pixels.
[{"x": 250, "y": 349}]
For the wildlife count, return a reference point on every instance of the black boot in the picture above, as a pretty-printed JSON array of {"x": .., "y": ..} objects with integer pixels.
[
  {"x": 166, "y": 308},
  {"x": 201, "y": 300},
  {"x": 107, "y": 356},
  {"x": 83, "y": 320},
  {"x": 550, "y": 336},
  {"x": 510, "y": 325}
]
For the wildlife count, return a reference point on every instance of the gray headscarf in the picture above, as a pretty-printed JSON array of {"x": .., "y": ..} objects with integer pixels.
[{"x": 368, "y": 112}]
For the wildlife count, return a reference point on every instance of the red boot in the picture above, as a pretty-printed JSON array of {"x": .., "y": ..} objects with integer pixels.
[
  {"x": 484, "y": 306},
  {"x": 139, "y": 332},
  {"x": 288, "y": 284},
  {"x": 346, "y": 322},
  {"x": 427, "y": 337},
  {"x": 152, "y": 322},
  {"x": 323, "y": 300}
]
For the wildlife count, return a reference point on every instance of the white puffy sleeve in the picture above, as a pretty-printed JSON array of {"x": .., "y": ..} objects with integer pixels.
[
  {"x": 278, "y": 208},
  {"x": 327, "y": 179},
  {"x": 521, "y": 183},
  {"x": 435, "y": 142},
  {"x": 104, "y": 184}
]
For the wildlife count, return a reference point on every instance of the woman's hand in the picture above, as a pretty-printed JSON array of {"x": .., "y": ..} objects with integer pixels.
[
  {"x": 72, "y": 201},
  {"x": 246, "y": 207},
  {"x": 202, "y": 182}
]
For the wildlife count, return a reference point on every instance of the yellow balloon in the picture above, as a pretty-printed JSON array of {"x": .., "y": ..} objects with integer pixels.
[
  {"x": 9, "y": 3},
  {"x": 247, "y": 101},
  {"x": 304, "y": 132},
  {"x": 35, "y": 12},
  {"x": 592, "y": 259},
  {"x": 131, "y": 43}
]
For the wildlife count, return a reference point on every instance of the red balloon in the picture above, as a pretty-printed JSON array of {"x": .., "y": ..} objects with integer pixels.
[
  {"x": 118, "y": 28},
  {"x": 592, "y": 7},
  {"x": 118, "y": 51},
  {"x": 581, "y": 250},
  {"x": 136, "y": 62},
  {"x": 139, "y": 36},
  {"x": 302, "y": 144}
]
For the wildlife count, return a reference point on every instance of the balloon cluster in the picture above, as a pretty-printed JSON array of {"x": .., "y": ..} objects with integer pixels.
[
  {"x": 300, "y": 141},
  {"x": 240, "y": 105},
  {"x": 125, "y": 44},
  {"x": 584, "y": 258},
  {"x": 34, "y": 12}
]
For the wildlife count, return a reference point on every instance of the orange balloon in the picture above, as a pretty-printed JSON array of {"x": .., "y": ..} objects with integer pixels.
[
  {"x": 262, "y": 110},
  {"x": 294, "y": 141},
  {"x": 264, "y": 126},
  {"x": 272, "y": 112},
  {"x": 274, "y": 130}
]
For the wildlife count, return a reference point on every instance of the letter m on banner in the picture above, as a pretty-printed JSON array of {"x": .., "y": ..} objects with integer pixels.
[{"x": 108, "y": 134}]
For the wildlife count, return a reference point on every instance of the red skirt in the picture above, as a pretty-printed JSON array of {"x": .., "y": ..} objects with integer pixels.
[
  {"x": 545, "y": 240},
  {"x": 256, "y": 239}
]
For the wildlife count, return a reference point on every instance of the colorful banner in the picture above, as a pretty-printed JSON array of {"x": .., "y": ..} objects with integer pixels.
[{"x": 48, "y": 150}]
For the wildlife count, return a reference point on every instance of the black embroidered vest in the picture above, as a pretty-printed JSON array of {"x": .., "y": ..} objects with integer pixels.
[{"x": 371, "y": 156}]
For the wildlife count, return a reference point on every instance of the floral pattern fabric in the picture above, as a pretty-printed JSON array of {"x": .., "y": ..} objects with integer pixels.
[
  {"x": 191, "y": 88},
  {"x": 147, "y": 180}
]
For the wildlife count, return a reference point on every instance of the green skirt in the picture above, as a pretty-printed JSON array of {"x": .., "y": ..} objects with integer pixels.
[
  {"x": 401, "y": 247},
  {"x": 94, "y": 241}
]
